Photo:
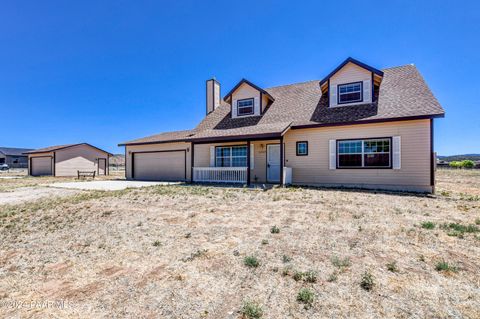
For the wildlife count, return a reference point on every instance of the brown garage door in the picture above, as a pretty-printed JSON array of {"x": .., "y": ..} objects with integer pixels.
[
  {"x": 159, "y": 166},
  {"x": 41, "y": 166}
]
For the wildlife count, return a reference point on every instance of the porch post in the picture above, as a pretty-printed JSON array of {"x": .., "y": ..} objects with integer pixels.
[
  {"x": 281, "y": 160},
  {"x": 248, "y": 162},
  {"x": 192, "y": 160}
]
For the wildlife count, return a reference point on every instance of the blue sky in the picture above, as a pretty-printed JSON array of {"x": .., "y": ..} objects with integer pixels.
[{"x": 108, "y": 71}]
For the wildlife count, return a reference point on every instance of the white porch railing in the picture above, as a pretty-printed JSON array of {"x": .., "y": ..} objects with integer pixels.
[{"x": 220, "y": 174}]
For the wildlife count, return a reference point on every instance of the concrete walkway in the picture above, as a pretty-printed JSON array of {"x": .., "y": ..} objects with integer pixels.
[{"x": 108, "y": 185}]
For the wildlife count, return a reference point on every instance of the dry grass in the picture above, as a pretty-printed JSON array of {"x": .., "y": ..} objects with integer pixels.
[
  {"x": 179, "y": 252},
  {"x": 10, "y": 184}
]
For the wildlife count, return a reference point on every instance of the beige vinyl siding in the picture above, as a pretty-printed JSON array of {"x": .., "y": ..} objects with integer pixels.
[
  {"x": 314, "y": 168},
  {"x": 245, "y": 91},
  {"x": 202, "y": 157},
  {"x": 70, "y": 160},
  {"x": 351, "y": 73},
  {"x": 157, "y": 147}
]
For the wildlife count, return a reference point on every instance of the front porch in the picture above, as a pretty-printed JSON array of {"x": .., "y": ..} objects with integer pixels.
[{"x": 240, "y": 162}]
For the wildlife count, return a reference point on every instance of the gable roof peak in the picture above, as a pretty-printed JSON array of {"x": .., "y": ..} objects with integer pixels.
[
  {"x": 354, "y": 61},
  {"x": 242, "y": 81}
]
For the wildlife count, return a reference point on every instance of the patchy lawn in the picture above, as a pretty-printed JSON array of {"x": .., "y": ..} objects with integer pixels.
[
  {"x": 208, "y": 252},
  {"x": 11, "y": 181}
]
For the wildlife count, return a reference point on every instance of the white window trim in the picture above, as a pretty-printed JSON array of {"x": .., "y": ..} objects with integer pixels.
[
  {"x": 339, "y": 94},
  {"x": 239, "y": 107},
  {"x": 231, "y": 156}
]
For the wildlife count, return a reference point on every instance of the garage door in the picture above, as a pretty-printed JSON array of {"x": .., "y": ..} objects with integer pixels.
[
  {"x": 159, "y": 166},
  {"x": 41, "y": 166}
]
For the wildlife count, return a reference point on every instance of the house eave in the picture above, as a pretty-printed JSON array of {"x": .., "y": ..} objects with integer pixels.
[{"x": 385, "y": 120}]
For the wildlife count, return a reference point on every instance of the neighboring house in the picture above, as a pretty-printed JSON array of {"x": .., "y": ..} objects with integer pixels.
[
  {"x": 14, "y": 157},
  {"x": 358, "y": 127},
  {"x": 67, "y": 160}
]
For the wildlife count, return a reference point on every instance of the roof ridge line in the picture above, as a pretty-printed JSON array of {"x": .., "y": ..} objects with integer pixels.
[{"x": 296, "y": 83}]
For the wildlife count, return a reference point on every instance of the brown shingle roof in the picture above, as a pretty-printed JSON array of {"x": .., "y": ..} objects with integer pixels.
[
  {"x": 403, "y": 94},
  {"x": 59, "y": 147}
]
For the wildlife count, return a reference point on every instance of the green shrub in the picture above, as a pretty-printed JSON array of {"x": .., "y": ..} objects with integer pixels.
[
  {"x": 298, "y": 275},
  {"x": 428, "y": 225},
  {"x": 286, "y": 259},
  {"x": 444, "y": 266},
  {"x": 341, "y": 263},
  {"x": 392, "y": 266},
  {"x": 310, "y": 276},
  {"x": 251, "y": 261},
  {"x": 468, "y": 164},
  {"x": 332, "y": 277},
  {"x": 367, "y": 281},
  {"x": 252, "y": 310},
  {"x": 157, "y": 243},
  {"x": 274, "y": 230},
  {"x": 455, "y": 164},
  {"x": 306, "y": 296}
]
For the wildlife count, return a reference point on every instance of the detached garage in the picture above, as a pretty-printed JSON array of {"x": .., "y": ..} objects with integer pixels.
[{"x": 67, "y": 160}]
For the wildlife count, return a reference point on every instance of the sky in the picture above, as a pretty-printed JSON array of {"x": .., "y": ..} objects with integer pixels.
[{"x": 105, "y": 72}]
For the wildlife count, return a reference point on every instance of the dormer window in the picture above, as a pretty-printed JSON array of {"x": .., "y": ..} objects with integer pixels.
[
  {"x": 245, "y": 107},
  {"x": 350, "y": 92}
]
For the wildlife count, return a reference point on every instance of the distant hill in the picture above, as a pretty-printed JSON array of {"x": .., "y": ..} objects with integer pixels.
[
  {"x": 473, "y": 157},
  {"x": 117, "y": 159}
]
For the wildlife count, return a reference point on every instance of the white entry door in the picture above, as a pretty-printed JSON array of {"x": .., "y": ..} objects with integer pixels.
[{"x": 273, "y": 163}]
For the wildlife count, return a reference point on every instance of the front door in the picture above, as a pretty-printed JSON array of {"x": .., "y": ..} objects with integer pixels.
[{"x": 273, "y": 163}]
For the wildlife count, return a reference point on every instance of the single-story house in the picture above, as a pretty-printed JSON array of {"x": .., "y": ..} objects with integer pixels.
[
  {"x": 357, "y": 127},
  {"x": 67, "y": 160},
  {"x": 14, "y": 157}
]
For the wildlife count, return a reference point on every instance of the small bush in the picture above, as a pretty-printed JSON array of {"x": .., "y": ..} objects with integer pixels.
[
  {"x": 305, "y": 296},
  {"x": 332, "y": 277},
  {"x": 274, "y": 230},
  {"x": 251, "y": 261},
  {"x": 444, "y": 266},
  {"x": 468, "y": 164},
  {"x": 341, "y": 263},
  {"x": 458, "y": 230},
  {"x": 298, "y": 275},
  {"x": 392, "y": 266},
  {"x": 367, "y": 282},
  {"x": 157, "y": 243},
  {"x": 310, "y": 276},
  {"x": 286, "y": 271},
  {"x": 252, "y": 310},
  {"x": 428, "y": 225},
  {"x": 264, "y": 242},
  {"x": 286, "y": 259}
]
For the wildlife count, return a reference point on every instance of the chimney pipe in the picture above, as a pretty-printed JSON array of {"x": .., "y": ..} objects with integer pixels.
[{"x": 213, "y": 95}]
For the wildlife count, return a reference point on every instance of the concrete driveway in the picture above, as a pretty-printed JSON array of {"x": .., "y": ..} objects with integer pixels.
[{"x": 109, "y": 185}]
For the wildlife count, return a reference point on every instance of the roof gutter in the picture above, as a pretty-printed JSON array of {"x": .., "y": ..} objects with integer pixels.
[{"x": 393, "y": 119}]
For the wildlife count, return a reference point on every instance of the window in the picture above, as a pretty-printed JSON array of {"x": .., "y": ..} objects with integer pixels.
[
  {"x": 302, "y": 148},
  {"x": 364, "y": 153},
  {"x": 245, "y": 107},
  {"x": 231, "y": 156},
  {"x": 349, "y": 93}
]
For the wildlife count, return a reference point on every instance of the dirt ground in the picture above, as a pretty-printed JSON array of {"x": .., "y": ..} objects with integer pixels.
[
  {"x": 14, "y": 179},
  {"x": 179, "y": 252}
]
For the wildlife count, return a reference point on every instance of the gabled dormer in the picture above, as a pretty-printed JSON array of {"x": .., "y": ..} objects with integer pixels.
[
  {"x": 352, "y": 82},
  {"x": 247, "y": 99}
]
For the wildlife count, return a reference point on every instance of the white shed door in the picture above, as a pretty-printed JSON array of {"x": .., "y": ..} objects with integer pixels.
[
  {"x": 41, "y": 166},
  {"x": 159, "y": 166}
]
